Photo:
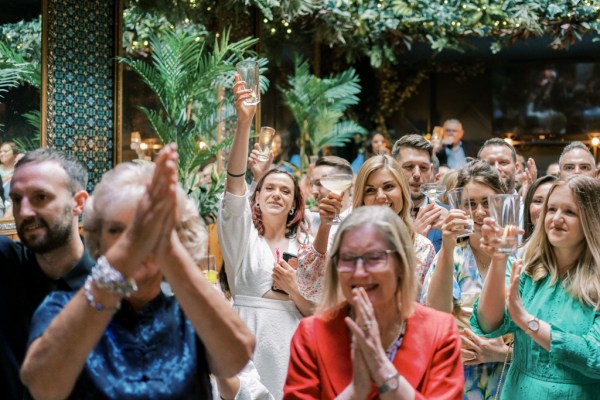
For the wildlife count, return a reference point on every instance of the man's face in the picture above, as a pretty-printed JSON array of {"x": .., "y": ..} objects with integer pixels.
[
  {"x": 417, "y": 168},
  {"x": 577, "y": 161},
  {"x": 319, "y": 192},
  {"x": 500, "y": 157},
  {"x": 43, "y": 206},
  {"x": 453, "y": 132}
]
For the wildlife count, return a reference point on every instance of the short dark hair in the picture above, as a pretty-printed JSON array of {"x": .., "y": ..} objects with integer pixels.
[
  {"x": 498, "y": 142},
  {"x": 572, "y": 146},
  {"x": 412, "y": 141},
  {"x": 436, "y": 164},
  {"x": 339, "y": 163},
  {"x": 77, "y": 173}
]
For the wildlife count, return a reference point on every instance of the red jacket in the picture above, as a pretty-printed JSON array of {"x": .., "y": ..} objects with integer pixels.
[{"x": 429, "y": 358}]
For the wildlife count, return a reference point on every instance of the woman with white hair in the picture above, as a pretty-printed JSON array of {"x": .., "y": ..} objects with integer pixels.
[{"x": 121, "y": 336}]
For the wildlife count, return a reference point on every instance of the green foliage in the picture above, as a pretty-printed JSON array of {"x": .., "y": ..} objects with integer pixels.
[
  {"x": 24, "y": 38},
  {"x": 186, "y": 77},
  {"x": 381, "y": 30},
  {"x": 318, "y": 106}
]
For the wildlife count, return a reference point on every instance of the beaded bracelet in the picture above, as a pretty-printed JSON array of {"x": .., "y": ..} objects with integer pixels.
[{"x": 87, "y": 291}]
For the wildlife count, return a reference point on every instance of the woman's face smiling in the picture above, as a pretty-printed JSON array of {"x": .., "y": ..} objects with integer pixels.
[
  {"x": 478, "y": 194},
  {"x": 380, "y": 283},
  {"x": 562, "y": 222},
  {"x": 537, "y": 201},
  {"x": 276, "y": 196},
  {"x": 382, "y": 189}
]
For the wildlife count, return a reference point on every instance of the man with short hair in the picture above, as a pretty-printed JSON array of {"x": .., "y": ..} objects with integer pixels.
[
  {"x": 575, "y": 159},
  {"x": 328, "y": 165},
  {"x": 48, "y": 192},
  {"x": 503, "y": 157},
  {"x": 414, "y": 153}
]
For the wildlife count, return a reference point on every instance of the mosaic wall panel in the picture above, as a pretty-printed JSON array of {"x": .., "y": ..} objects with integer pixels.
[{"x": 81, "y": 81}]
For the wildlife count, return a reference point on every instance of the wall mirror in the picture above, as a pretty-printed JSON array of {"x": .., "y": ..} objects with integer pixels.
[{"x": 21, "y": 113}]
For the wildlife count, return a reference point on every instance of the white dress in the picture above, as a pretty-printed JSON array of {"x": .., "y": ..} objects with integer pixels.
[{"x": 249, "y": 266}]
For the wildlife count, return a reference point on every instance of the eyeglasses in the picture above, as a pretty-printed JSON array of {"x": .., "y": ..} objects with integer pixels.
[{"x": 371, "y": 260}]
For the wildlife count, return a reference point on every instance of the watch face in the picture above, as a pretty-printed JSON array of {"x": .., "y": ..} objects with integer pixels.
[
  {"x": 393, "y": 383},
  {"x": 533, "y": 325}
]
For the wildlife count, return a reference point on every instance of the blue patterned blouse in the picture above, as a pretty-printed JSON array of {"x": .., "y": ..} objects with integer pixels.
[{"x": 151, "y": 354}]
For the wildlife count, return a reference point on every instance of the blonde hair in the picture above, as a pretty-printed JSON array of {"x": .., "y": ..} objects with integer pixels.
[
  {"x": 388, "y": 163},
  {"x": 583, "y": 280},
  {"x": 124, "y": 186},
  {"x": 393, "y": 228}
]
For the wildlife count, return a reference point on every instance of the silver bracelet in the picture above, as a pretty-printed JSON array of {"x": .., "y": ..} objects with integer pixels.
[
  {"x": 87, "y": 291},
  {"x": 107, "y": 278}
]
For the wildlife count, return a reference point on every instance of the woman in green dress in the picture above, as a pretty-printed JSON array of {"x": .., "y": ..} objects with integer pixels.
[{"x": 553, "y": 302}]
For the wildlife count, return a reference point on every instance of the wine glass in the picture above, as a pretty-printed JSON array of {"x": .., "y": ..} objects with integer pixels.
[
  {"x": 433, "y": 190},
  {"x": 265, "y": 142},
  {"x": 336, "y": 183}
]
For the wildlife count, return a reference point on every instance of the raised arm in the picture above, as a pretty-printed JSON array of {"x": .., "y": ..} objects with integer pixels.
[
  {"x": 55, "y": 360},
  {"x": 236, "y": 165},
  {"x": 490, "y": 312},
  {"x": 439, "y": 291}
]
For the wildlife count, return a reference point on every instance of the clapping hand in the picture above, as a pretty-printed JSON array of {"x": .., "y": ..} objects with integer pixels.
[
  {"x": 155, "y": 215},
  {"x": 478, "y": 350},
  {"x": 514, "y": 303},
  {"x": 529, "y": 176}
]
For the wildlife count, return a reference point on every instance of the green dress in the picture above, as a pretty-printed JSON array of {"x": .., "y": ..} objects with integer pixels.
[{"x": 571, "y": 369}]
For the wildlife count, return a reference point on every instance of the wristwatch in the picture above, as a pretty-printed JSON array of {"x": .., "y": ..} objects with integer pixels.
[
  {"x": 533, "y": 325},
  {"x": 390, "y": 384}
]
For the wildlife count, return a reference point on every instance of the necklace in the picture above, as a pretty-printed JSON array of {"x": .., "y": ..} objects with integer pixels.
[
  {"x": 481, "y": 265},
  {"x": 393, "y": 349}
]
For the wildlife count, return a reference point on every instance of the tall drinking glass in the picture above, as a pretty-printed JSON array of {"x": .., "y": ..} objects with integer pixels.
[
  {"x": 208, "y": 267},
  {"x": 337, "y": 183},
  {"x": 506, "y": 210},
  {"x": 265, "y": 142},
  {"x": 249, "y": 72},
  {"x": 459, "y": 199}
]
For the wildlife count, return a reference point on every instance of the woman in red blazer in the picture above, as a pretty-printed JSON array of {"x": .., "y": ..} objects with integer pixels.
[{"x": 370, "y": 339}]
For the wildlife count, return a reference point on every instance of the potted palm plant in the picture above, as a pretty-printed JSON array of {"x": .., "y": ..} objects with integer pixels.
[
  {"x": 318, "y": 106},
  {"x": 188, "y": 79}
]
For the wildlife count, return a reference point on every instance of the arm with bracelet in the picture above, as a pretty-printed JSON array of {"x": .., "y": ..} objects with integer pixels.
[{"x": 57, "y": 356}]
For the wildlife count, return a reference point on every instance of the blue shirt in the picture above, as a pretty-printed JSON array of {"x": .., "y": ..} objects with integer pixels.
[
  {"x": 151, "y": 354},
  {"x": 455, "y": 157}
]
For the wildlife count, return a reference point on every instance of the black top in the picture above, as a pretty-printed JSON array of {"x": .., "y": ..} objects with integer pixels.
[{"x": 23, "y": 287}]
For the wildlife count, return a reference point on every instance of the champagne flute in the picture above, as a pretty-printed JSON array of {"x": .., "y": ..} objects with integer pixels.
[
  {"x": 265, "y": 142},
  {"x": 433, "y": 190},
  {"x": 336, "y": 183}
]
